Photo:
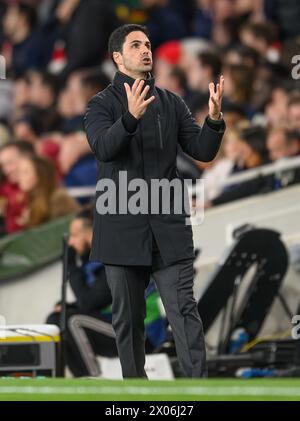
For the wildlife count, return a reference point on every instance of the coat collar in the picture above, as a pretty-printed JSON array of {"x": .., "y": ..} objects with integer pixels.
[{"x": 120, "y": 78}]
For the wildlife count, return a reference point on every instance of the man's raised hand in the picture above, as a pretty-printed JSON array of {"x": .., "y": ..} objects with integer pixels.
[
  {"x": 137, "y": 105},
  {"x": 215, "y": 99}
]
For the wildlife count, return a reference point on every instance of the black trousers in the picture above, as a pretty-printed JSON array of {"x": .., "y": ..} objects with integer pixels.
[{"x": 175, "y": 286}]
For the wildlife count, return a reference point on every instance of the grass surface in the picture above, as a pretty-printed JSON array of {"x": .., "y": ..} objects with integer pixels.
[{"x": 143, "y": 390}]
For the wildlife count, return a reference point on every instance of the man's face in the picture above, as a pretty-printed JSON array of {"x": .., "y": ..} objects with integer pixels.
[
  {"x": 9, "y": 162},
  {"x": 79, "y": 236},
  {"x": 136, "y": 56}
]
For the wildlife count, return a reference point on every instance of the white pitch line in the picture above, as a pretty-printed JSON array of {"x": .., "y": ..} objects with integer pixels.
[{"x": 201, "y": 391}]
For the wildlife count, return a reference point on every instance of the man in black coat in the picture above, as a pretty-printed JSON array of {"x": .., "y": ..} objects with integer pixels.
[{"x": 134, "y": 129}]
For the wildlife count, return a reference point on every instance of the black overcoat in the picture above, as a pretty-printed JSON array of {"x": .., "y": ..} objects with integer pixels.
[{"x": 148, "y": 152}]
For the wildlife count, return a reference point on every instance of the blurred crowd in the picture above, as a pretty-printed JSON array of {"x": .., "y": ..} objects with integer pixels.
[{"x": 54, "y": 59}]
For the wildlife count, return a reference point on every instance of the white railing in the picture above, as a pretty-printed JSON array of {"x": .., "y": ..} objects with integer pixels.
[
  {"x": 276, "y": 167},
  {"x": 87, "y": 191},
  {"x": 279, "y": 166}
]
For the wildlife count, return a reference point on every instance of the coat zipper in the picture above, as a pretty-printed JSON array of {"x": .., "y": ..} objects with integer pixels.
[{"x": 159, "y": 132}]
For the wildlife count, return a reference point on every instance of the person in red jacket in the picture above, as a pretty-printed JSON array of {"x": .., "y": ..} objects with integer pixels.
[{"x": 12, "y": 199}]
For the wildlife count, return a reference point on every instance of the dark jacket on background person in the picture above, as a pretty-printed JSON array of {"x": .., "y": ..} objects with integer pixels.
[
  {"x": 86, "y": 34},
  {"x": 88, "y": 282},
  {"x": 146, "y": 149}
]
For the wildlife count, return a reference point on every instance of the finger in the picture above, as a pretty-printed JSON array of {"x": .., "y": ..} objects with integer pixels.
[
  {"x": 215, "y": 101},
  {"x": 135, "y": 85},
  {"x": 148, "y": 101},
  {"x": 221, "y": 85},
  {"x": 127, "y": 89},
  {"x": 139, "y": 87},
  {"x": 211, "y": 88},
  {"x": 145, "y": 91}
]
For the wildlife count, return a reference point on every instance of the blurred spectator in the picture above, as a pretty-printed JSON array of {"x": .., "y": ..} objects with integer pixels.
[
  {"x": 261, "y": 36},
  {"x": 283, "y": 143},
  {"x": 286, "y": 15},
  {"x": 80, "y": 86},
  {"x": 23, "y": 46},
  {"x": 252, "y": 154},
  {"x": 294, "y": 110},
  {"x": 233, "y": 113},
  {"x": 205, "y": 69},
  {"x": 43, "y": 89},
  {"x": 92, "y": 83},
  {"x": 167, "y": 57},
  {"x": 36, "y": 178},
  {"x": 228, "y": 161},
  {"x": 176, "y": 82},
  {"x": 20, "y": 93},
  {"x": 163, "y": 22},
  {"x": 276, "y": 108},
  {"x": 86, "y": 26},
  {"x": 239, "y": 85},
  {"x": 242, "y": 55},
  {"x": 12, "y": 199}
]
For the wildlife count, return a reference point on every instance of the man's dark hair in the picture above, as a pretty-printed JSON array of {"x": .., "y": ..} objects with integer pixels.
[
  {"x": 29, "y": 12},
  {"x": 118, "y": 36}
]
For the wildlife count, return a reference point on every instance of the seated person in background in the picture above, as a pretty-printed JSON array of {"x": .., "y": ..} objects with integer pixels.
[
  {"x": 253, "y": 153},
  {"x": 227, "y": 162},
  {"x": 284, "y": 143},
  {"x": 45, "y": 200},
  {"x": 74, "y": 163},
  {"x": 294, "y": 110},
  {"x": 12, "y": 199},
  {"x": 89, "y": 329}
]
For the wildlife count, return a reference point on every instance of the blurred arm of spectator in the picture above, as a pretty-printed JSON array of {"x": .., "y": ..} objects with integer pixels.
[
  {"x": 73, "y": 147},
  {"x": 87, "y": 26},
  {"x": 255, "y": 7},
  {"x": 65, "y": 10}
]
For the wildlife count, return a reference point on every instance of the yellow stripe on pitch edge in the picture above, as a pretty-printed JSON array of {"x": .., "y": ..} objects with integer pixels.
[{"x": 33, "y": 339}]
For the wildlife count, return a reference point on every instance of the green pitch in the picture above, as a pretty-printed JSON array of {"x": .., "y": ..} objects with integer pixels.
[{"x": 143, "y": 390}]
